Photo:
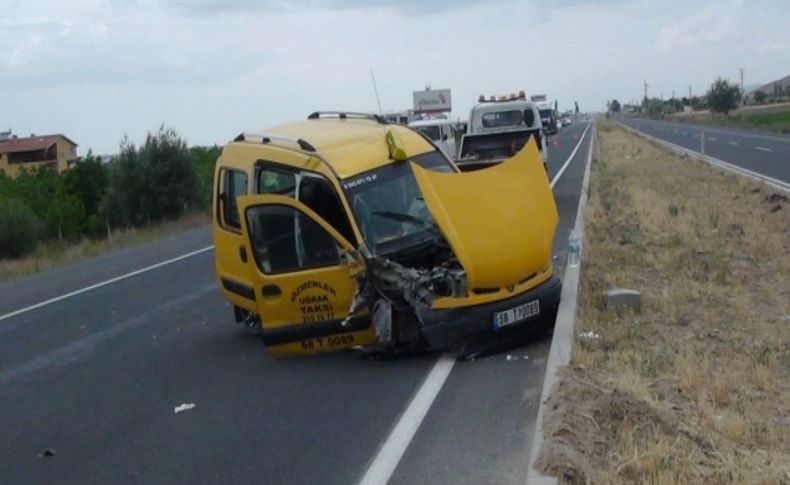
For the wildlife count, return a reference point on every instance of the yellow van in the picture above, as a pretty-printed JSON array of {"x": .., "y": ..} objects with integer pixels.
[{"x": 345, "y": 231}]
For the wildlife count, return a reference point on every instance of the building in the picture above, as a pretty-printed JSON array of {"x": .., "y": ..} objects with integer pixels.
[{"x": 55, "y": 151}]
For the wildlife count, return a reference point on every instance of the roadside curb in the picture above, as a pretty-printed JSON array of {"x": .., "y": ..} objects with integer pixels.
[
  {"x": 679, "y": 150},
  {"x": 562, "y": 340}
]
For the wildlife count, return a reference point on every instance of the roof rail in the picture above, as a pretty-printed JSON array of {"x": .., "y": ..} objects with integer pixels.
[
  {"x": 266, "y": 138},
  {"x": 347, "y": 114}
]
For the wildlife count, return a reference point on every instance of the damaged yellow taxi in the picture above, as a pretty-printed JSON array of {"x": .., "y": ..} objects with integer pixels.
[{"x": 344, "y": 231}]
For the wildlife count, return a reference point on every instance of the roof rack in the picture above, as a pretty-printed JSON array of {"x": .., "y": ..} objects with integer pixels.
[
  {"x": 266, "y": 139},
  {"x": 347, "y": 114}
]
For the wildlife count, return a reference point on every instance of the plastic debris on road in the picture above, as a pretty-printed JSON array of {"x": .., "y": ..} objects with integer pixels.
[
  {"x": 589, "y": 335},
  {"x": 183, "y": 407},
  {"x": 512, "y": 358}
]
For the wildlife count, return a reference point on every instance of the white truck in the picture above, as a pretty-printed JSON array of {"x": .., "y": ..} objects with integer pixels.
[
  {"x": 441, "y": 132},
  {"x": 498, "y": 128}
]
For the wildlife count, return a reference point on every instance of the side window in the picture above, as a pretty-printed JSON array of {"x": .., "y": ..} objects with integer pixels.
[
  {"x": 233, "y": 183},
  {"x": 276, "y": 181},
  {"x": 283, "y": 240},
  {"x": 319, "y": 195}
]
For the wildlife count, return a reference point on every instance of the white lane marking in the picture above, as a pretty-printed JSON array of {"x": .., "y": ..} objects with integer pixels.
[
  {"x": 763, "y": 149},
  {"x": 573, "y": 154},
  {"x": 390, "y": 453},
  {"x": 733, "y": 143},
  {"x": 711, "y": 138},
  {"x": 104, "y": 283}
]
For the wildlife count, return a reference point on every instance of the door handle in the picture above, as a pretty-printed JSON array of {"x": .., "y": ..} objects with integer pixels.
[
  {"x": 243, "y": 254},
  {"x": 271, "y": 291}
]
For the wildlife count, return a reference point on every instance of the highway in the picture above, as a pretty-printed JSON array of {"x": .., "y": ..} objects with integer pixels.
[
  {"x": 761, "y": 152},
  {"x": 92, "y": 377}
]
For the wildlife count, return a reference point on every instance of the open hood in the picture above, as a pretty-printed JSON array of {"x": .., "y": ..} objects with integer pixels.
[{"x": 499, "y": 221}]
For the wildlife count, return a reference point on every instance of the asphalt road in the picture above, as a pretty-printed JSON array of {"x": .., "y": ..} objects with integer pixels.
[
  {"x": 95, "y": 378},
  {"x": 765, "y": 153}
]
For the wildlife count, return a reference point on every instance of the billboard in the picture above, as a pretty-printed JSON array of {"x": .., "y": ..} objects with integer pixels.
[{"x": 431, "y": 101}]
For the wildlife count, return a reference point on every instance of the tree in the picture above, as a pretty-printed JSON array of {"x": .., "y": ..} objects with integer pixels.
[
  {"x": 87, "y": 181},
  {"x": 760, "y": 97},
  {"x": 152, "y": 183},
  {"x": 205, "y": 159},
  {"x": 614, "y": 106},
  {"x": 723, "y": 96},
  {"x": 19, "y": 228}
]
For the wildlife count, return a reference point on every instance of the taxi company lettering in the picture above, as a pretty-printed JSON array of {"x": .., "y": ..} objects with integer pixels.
[
  {"x": 312, "y": 284},
  {"x": 315, "y": 307}
]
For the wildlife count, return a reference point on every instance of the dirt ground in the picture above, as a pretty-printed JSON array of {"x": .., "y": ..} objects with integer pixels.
[{"x": 695, "y": 388}]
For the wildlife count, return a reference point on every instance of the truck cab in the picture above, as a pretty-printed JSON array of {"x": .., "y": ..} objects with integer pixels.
[
  {"x": 499, "y": 128},
  {"x": 441, "y": 132}
]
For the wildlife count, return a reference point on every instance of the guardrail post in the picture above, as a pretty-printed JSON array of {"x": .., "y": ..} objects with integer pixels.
[{"x": 702, "y": 142}]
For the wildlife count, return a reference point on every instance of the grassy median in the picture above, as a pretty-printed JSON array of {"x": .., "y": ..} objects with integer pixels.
[
  {"x": 696, "y": 387},
  {"x": 53, "y": 254}
]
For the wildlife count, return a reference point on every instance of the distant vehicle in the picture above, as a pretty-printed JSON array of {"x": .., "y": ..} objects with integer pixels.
[
  {"x": 565, "y": 120},
  {"x": 441, "y": 132},
  {"x": 548, "y": 116},
  {"x": 343, "y": 230},
  {"x": 499, "y": 128}
]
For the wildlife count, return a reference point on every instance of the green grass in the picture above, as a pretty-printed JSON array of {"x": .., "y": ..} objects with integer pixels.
[{"x": 776, "y": 122}]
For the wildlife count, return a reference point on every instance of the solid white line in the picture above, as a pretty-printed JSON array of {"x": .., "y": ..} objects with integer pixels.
[
  {"x": 763, "y": 149},
  {"x": 390, "y": 453},
  {"x": 573, "y": 153},
  {"x": 104, "y": 283},
  {"x": 733, "y": 143}
]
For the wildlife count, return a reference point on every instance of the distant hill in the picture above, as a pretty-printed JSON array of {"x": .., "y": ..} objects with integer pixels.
[{"x": 769, "y": 88}]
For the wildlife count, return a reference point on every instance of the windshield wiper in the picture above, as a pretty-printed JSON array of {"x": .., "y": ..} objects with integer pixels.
[{"x": 399, "y": 216}]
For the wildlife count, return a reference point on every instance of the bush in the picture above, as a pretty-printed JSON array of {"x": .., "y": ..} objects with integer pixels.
[
  {"x": 153, "y": 183},
  {"x": 19, "y": 228}
]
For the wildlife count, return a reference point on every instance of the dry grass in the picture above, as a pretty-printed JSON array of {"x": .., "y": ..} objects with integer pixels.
[
  {"x": 54, "y": 254},
  {"x": 696, "y": 388}
]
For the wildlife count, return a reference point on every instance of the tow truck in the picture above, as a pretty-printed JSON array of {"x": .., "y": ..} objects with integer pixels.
[{"x": 498, "y": 128}]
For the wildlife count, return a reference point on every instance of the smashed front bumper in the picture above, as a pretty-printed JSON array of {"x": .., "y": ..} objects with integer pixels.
[{"x": 454, "y": 327}]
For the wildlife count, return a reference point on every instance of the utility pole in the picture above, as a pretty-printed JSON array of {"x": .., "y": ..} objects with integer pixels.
[{"x": 742, "y": 93}]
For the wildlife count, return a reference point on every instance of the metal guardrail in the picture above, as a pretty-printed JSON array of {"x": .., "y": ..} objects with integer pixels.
[{"x": 700, "y": 155}]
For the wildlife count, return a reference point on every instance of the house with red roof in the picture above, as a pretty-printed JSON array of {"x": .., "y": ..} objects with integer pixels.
[{"x": 58, "y": 152}]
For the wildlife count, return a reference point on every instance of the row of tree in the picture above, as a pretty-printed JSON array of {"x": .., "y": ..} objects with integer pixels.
[
  {"x": 722, "y": 97},
  {"x": 161, "y": 180}
]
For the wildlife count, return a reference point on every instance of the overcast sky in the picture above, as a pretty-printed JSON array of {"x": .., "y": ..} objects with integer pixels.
[{"x": 98, "y": 69}]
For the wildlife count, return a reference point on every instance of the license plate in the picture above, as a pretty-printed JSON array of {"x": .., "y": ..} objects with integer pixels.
[{"x": 517, "y": 314}]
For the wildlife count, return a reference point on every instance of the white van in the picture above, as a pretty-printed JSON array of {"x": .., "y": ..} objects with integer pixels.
[{"x": 440, "y": 131}]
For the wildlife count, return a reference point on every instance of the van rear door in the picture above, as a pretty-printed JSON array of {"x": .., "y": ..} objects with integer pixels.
[{"x": 302, "y": 275}]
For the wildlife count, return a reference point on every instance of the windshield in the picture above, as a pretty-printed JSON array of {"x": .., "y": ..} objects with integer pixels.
[
  {"x": 431, "y": 132},
  {"x": 545, "y": 114},
  {"x": 388, "y": 206}
]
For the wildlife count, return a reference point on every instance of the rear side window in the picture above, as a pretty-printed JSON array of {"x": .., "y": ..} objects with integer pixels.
[{"x": 233, "y": 183}]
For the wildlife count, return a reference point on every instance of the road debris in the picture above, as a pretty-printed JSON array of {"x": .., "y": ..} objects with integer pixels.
[
  {"x": 624, "y": 299},
  {"x": 591, "y": 335},
  {"x": 183, "y": 407},
  {"x": 46, "y": 453}
]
